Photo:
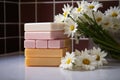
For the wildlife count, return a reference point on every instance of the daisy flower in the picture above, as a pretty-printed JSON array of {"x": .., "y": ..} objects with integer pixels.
[
  {"x": 77, "y": 55},
  {"x": 94, "y": 6},
  {"x": 99, "y": 17},
  {"x": 76, "y": 12},
  {"x": 107, "y": 22},
  {"x": 116, "y": 24},
  {"x": 66, "y": 10},
  {"x": 77, "y": 52},
  {"x": 81, "y": 7},
  {"x": 100, "y": 56},
  {"x": 68, "y": 61},
  {"x": 70, "y": 28},
  {"x": 113, "y": 12},
  {"x": 87, "y": 61},
  {"x": 59, "y": 18}
]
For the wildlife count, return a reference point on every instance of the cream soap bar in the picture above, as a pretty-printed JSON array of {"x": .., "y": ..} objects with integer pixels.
[
  {"x": 46, "y": 26},
  {"x": 45, "y": 35},
  {"x": 45, "y": 52},
  {"x": 42, "y": 61}
]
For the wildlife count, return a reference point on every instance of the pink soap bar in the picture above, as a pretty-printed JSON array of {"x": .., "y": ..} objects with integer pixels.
[
  {"x": 45, "y": 35},
  {"x": 29, "y": 44},
  {"x": 41, "y": 43},
  {"x": 56, "y": 44}
]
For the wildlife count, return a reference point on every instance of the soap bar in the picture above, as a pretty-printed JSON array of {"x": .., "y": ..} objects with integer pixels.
[
  {"x": 56, "y": 44},
  {"x": 45, "y": 35},
  {"x": 61, "y": 43},
  {"x": 41, "y": 44},
  {"x": 29, "y": 44},
  {"x": 46, "y": 26},
  {"x": 42, "y": 62},
  {"x": 45, "y": 52}
]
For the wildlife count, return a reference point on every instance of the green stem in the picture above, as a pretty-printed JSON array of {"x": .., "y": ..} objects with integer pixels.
[{"x": 106, "y": 44}]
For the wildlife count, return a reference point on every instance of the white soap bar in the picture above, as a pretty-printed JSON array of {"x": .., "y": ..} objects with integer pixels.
[{"x": 46, "y": 26}]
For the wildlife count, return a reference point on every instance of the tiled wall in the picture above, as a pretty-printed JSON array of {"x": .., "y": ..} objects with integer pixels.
[
  {"x": 14, "y": 13},
  {"x": 9, "y": 26}
]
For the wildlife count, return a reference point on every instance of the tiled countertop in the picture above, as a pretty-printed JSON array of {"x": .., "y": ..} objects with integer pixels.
[{"x": 13, "y": 68}]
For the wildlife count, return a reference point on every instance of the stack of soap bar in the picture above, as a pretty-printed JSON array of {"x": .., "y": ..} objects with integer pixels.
[{"x": 45, "y": 44}]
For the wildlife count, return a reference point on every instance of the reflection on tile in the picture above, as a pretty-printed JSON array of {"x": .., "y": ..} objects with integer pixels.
[
  {"x": 55, "y": 73},
  {"x": 11, "y": 12},
  {"x": 2, "y": 46},
  {"x": 27, "y": 13},
  {"x": 12, "y": 67},
  {"x": 45, "y": 13},
  {"x": 43, "y": 73},
  {"x": 1, "y": 30},
  {"x": 12, "y": 30},
  {"x": 12, "y": 45}
]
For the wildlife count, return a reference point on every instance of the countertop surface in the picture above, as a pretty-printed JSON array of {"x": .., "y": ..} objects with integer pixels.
[{"x": 13, "y": 68}]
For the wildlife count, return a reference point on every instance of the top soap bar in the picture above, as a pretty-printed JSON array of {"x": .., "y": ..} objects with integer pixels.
[{"x": 45, "y": 26}]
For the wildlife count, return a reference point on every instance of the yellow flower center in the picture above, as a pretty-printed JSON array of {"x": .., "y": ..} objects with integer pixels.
[
  {"x": 98, "y": 58},
  {"x": 114, "y": 14},
  {"x": 91, "y": 6},
  {"x": 68, "y": 61},
  {"x": 107, "y": 23},
  {"x": 72, "y": 27},
  {"x": 86, "y": 61},
  {"x": 79, "y": 9},
  {"x": 115, "y": 26},
  {"x": 65, "y": 14},
  {"x": 98, "y": 19}
]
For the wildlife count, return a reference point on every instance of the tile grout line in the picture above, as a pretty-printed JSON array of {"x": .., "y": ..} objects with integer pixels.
[
  {"x": 48, "y": 2},
  {"x": 10, "y": 23},
  {"x": 10, "y": 37},
  {"x": 5, "y": 50},
  {"x": 19, "y": 14},
  {"x": 53, "y": 10},
  {"x": 72, "y": 3},
  {"x": 10, "y": 2},
  {"x": 36, "y": 11}
]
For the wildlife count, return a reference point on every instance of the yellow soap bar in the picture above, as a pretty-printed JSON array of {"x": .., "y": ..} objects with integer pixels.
[
  {"x": 45, "y": 52},
  {"x": 48, "y": 62}
]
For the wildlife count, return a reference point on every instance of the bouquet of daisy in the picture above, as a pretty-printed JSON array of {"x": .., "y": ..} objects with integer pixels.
[{"x": 103, "y": 28}]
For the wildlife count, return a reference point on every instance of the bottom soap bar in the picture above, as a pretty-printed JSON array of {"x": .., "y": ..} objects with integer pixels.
[{"x": 48, "y": 62}]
